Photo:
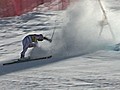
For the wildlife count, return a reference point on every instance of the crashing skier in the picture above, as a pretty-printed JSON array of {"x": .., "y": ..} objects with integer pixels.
[{"x": 32, "y": 41}]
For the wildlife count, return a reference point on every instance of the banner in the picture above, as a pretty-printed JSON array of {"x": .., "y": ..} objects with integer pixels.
[{"x": 10, "y": 8}]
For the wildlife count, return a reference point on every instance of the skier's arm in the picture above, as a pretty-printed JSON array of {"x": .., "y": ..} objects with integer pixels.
[{"x": 45, "y": 38}]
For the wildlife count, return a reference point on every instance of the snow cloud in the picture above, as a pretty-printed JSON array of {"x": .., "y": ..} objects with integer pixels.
[{"x": 81, "y": 33}]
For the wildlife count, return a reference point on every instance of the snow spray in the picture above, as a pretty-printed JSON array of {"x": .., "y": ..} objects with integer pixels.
[{"x": 81, "y": 33}]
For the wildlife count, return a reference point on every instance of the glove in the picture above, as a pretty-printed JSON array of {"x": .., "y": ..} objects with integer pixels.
[{"x": 50, "y": 40}]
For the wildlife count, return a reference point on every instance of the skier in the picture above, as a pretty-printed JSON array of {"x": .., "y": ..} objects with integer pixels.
[{"x": 32, "y": 41}]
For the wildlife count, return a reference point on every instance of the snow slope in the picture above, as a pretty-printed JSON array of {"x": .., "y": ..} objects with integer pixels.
[{"x": 81, "y": 60}]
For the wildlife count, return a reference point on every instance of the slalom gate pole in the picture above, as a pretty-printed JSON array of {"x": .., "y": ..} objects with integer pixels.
[{"x": 105, "y": 18}]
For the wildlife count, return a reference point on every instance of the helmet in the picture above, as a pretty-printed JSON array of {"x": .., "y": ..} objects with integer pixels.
[{"x": 40, "y": 37}]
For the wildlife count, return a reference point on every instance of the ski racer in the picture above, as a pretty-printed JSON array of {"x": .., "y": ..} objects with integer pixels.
[{"x": 32, "y": 41}]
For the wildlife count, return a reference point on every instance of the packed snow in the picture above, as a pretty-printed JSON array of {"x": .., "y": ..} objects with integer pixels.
[{"x": 81, "y": 59}]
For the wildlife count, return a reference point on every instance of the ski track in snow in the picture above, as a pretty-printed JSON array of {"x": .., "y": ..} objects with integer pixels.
[{"x": 98, "y": 70}]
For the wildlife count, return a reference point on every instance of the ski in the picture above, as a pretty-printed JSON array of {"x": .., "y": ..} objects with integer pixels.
[{"x": 26, "y": 60}]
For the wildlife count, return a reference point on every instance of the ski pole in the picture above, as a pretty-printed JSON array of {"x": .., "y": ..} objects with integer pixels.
[{"x": 53, "y": 32}]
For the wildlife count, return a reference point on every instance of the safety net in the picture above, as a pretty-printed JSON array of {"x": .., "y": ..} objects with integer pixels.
[{"x": 10, "y": 8}]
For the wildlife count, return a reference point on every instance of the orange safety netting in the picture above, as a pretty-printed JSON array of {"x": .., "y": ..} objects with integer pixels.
[{"x": 17, "y": 7}]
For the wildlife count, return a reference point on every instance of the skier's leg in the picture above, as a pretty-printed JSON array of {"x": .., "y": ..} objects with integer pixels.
[
  {"x": 24, "y": 51},
  {"x": 25, "y": 44}
]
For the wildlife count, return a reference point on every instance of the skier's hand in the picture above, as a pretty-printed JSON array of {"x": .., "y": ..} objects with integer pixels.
[{"x": 50, "y": 40}]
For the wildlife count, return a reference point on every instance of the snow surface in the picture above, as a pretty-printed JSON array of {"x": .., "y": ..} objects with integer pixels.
[{"x": 81, "y": 59}]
